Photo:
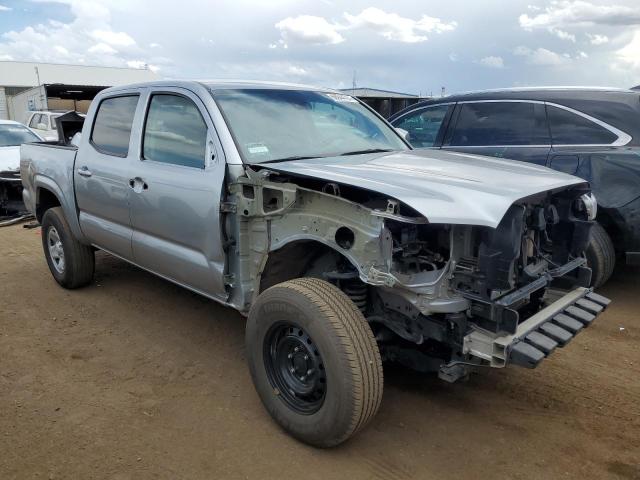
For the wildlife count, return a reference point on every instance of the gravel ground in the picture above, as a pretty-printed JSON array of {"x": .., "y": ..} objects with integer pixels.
[{"x": 135, "y": 378}]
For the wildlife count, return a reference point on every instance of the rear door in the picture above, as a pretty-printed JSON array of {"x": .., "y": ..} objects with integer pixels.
[
  {"x": 175, "y": 189},
  {"x": 573, "y": 132},
  {"x": 511, "y": 129},
  {"x": 425, "y": 125},
  {"x": 103, "y": 171}
]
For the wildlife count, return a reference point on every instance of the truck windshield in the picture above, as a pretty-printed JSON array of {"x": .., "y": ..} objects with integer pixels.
[
  {"x": 269, "y": 125},
  {"x": 12, "y": 135}
]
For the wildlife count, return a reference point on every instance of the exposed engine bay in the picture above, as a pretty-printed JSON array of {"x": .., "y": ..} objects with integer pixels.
[
  {"x": 423, "y": 287},
  {"x": 11, "y": 206}
]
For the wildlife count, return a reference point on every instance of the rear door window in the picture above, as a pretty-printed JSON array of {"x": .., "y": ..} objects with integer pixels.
[
  {"x": 35, "y": 120},
  {"x": 500, "y": 124},
  {"x": 112, "y": 125},
  {"x": 423, "y": 125},
  {"x": 568, "y": 128},
  {"x": 174, "y": 132}
]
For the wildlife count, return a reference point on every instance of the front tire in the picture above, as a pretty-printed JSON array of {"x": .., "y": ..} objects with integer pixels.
[
  {"x": 601, "y": 256},
  {"x": 314, "y": 361},
  {"x": 71, "y": 263}
]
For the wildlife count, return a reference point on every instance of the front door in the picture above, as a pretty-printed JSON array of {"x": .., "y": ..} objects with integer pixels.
[
  {"x": 175, "y": 188},
  {"x": 102, "y": 175}
]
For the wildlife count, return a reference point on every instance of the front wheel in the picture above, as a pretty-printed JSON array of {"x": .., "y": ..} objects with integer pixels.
[
  {"x": 601, "y": 256},
  {"x": 71, "y": 262},
  {"x": 314, "y": 361}
]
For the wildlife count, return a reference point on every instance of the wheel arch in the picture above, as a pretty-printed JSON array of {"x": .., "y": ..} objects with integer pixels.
[
  {"x": 301, "y": 257},
  {"x": 48, "y": 194},
  {"x": 45, "y": 199}
]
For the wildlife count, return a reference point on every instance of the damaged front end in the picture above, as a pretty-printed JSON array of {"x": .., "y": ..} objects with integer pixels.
[
  {"x": 11, "y": 204},
  {"x": 439, "y": 297}
]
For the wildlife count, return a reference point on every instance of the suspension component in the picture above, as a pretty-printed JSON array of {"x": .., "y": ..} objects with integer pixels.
[{"x": 357, "y": 292}]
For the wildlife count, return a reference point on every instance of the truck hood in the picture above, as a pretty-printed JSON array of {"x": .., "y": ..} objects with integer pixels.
[
  {"x": 445, "y": 187},
  {"x": 9, "y": 158}
]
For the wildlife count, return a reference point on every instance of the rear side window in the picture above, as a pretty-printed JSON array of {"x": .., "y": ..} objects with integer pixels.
[
  {"x": 35, "y": 120},
  {"x": 112, "y": 126},
  {"x": 567, "y": 128},
  {"x": 174, "y": 132},
  {"x": 500, "y": 123},
  {"x": 423, "y": 125}
]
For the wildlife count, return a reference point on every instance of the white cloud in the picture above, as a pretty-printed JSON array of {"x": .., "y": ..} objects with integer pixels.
[
  {"x": 561, "y": 34},
  {"x": 61, "y": 50},
  {"x": 597, "y": 39},
  {"x": 315, "y": 30},
  {"x": 541, "y": 56},
  {"x": 88, "y": 38},
  {"x": 394, "y": 27},
  {"x": 630, "y": 54},
  {"x": 580, "y": 13},
  {"x": 297, "y": 71},
  {"x": 102, "y": 48},
  {"x": 4, "y": 8},
  {"x": 453, "y": 57},
  {"x": 120, "y": 39},
  {"x": 583, "y": 55},
  {"x": 309, "y": 29},
  {"x": 492, "y": 61}
]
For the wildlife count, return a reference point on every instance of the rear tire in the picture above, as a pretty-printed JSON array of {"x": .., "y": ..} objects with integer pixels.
[
  {"x": 601, "y": 256},
  {"x": 308, "y": 326},
  {"x": 71, "y": 263}
]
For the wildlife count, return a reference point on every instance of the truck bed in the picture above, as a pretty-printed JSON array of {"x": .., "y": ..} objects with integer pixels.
[{"x": 49, "y": 166}]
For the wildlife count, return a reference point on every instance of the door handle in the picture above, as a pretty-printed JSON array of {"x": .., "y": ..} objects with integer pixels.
[{"x": 84, "y": 171}]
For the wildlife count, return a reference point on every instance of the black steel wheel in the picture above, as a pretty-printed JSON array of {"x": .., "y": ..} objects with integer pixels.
[
  {"x": 294, "y": 366},
  {"x": 314, "y": 361}
]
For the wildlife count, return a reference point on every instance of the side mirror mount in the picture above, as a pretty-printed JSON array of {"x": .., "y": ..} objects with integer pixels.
[{"x": 403, "y": 133}]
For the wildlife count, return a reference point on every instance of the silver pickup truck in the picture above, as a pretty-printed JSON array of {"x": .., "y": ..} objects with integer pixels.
[{"x": 304, "y": 210}]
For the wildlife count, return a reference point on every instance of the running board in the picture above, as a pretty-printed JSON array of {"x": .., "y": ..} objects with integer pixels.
[{"x": 538, "y": 336}]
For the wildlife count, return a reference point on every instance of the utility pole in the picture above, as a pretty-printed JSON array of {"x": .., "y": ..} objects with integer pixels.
[
  {"x": 353, "y": 83},
  {"x": 41, "y": 106}
]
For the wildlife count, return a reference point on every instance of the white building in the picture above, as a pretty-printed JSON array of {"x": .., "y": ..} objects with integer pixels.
[{"x": 26, "y": 86}]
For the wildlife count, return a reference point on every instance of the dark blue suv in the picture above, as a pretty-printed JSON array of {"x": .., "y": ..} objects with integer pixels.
[{"x": 593, "y": 133}]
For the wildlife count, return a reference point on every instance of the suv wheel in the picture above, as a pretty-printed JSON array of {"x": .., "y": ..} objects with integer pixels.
[
  {"x": 314, "y": 361},
  {"x": 601, "y": 256}
]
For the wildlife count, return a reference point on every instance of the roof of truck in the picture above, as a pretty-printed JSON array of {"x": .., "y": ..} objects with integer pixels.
[{"x": 226, "y": 84}]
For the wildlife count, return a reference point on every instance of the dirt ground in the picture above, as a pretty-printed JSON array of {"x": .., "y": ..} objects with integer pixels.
[{"x": 135, "y": 378}]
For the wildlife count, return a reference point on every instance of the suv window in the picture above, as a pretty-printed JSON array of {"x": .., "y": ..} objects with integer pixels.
[
  {"x": 499, "y": 123},
  {"x": 567, "y": 128},
  {"x": 35, "y": 120},
  {"x": 112, "y": 126},
  {"x": 423, "y": 125},
  {"x": 174, "y": 132}
]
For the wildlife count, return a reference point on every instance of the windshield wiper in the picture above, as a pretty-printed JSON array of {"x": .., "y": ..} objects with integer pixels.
[
  {"x": 294, "y": 157},
  {"x": 370, "y": 150}
]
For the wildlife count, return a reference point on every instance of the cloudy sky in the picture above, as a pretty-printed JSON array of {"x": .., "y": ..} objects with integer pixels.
[{"x": 411, "y": 46}]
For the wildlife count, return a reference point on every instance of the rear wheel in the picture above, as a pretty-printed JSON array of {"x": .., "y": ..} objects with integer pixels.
[
  {"x": 314, "y": 361},
  {"x": 601, "y": 256},
  {"x": 71, "y": 263}
]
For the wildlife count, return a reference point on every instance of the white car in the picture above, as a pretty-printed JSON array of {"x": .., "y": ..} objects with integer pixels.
[
  {"x": 12, "y": 135},
  {"x": 44, "y": 123}
]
